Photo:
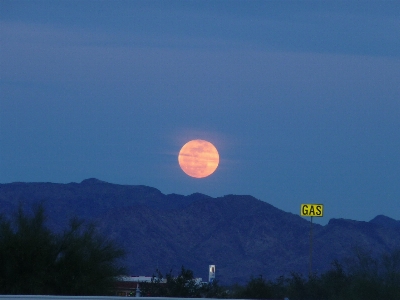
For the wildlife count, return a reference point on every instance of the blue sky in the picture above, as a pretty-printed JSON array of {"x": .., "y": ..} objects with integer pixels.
[{"x": 301, "y": 98}]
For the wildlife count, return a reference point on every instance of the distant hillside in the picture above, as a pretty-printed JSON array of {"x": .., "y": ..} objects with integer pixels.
[
  {"x": 88, "y": 199},
  {"x": 241, "y": 235}
]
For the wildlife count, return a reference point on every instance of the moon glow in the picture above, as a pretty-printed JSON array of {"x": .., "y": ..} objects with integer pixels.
[{"x": 198, "y": 158}]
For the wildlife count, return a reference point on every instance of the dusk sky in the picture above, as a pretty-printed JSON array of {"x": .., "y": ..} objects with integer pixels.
[{"x": 301, "y": 98}]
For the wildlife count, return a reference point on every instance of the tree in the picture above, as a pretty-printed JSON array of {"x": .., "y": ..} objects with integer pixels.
[
  {"x": 213, "y": 290},
  {"x": 27, "y": 251},
  {"x": 363, "y": 276},
  {"x": 374, "y": 277},
  {"x": 391, "y": 265},
  {"x": 256, "y": 288},
  {"x": 183, "y": 285},
  {"x": 33, "y": 260},
  {"x": 155, "y": 288},
  {"x": 335, "y": 282}
]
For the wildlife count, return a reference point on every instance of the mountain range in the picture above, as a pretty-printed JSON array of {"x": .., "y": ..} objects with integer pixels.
[{"x": 241, "y": 235}]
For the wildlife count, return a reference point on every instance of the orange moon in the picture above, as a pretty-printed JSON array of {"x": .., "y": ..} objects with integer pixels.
[{"x": 198, "y": 158}]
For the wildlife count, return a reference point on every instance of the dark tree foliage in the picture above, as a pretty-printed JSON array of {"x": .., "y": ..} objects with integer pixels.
[
  {"x": 27, "y": 252},
  {"x": 362, "y": 277},
  {"x": 335, "y": 281},
  {"x": 374, "y": 278},
  {"x": 184, "y": 285},
  {"x": 214, "y": 290},
  {"x": 256, "y": 288},
  {"x": 33, "y": 260},
  {"x": 391, "y": 278}
]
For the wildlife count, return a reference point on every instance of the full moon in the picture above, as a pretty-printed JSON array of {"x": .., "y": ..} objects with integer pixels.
[{"x": 198, "y": 158}]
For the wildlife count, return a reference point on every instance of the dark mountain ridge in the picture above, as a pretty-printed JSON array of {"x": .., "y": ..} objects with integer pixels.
[
  {"x": 88, "y": 199},
  {"x": 240, "y": 234}
]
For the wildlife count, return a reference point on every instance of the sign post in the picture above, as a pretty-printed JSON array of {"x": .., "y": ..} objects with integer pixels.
[
  {"x": 311, "y": 210},
  {"x": 211, "y": 273}
]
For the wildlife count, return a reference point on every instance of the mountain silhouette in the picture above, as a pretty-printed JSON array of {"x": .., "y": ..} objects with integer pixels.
[{"x": 241, "y": 235}]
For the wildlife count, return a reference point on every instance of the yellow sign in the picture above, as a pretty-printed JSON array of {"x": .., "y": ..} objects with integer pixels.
[{"x": 312, "y": 210}]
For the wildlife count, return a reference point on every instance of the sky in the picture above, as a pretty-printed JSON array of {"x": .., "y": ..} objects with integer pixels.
[{"x": 301, "y": 98}]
